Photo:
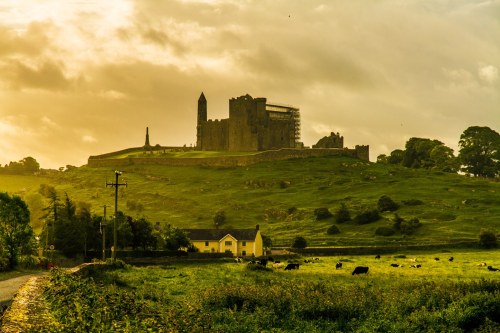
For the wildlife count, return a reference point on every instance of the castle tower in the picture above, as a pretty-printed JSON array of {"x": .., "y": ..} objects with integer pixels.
[
  {"x": 147, "y": 138},
  {"x": 202, "y": 118}
]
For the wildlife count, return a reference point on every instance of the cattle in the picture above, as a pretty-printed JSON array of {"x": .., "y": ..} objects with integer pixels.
[
  {"x": 413, "y": 259},
  {"x": 483, "y": 264},
  {"x": 238, "y": 259},
  {"x": 395, "y": 265},
  {"x": 291, "y": 266},
  {"x": 492, "y": 269},
  {"x": 437, "y": 259},
  {"x": 278, "y": 265},
  {"x": 360, "y": 270},
  {"x": 306, "y": 261},
  {"x": 338, "y": 265},
  {"x": 377, "y": 256},
  {"x": 450, "y": 259},
  {"x": 262, "y": 262},
  {"x": 416, "y": 266}
]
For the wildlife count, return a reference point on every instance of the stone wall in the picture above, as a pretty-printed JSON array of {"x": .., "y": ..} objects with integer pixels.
[{"x": 229, "y": 161}]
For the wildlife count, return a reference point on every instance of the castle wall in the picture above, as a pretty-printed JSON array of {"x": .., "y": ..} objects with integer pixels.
[
  {"x": 279, "y": 134},
  {"x": 214, "y": 134},
  {"x": 226, "y": 161},
  {"x": 243, "y": 124}
]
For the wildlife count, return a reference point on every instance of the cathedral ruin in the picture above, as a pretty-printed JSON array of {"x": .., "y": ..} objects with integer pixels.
[{"x": 253, "y": 125}]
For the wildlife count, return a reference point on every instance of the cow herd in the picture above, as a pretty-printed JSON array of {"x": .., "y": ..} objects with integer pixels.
[{"x": 295, "y": 264}]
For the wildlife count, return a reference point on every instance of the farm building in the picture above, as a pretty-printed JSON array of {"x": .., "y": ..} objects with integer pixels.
[{"x": 239, "y": 242}]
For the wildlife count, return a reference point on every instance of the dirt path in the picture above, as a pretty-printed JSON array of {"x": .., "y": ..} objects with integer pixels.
[{"x": 8, "y": 288}]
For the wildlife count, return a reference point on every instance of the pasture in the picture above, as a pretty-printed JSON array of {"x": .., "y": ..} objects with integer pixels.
[{"x": 225, "y": 296}]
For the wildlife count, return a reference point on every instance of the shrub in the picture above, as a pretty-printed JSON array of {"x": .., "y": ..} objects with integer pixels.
[
  {"x": 333, "y": 230},
  {"x": 219, "y": 218},
  {"x": 397, "y": 221},
  {"x": 409, "y": 227},
  {"x": 299, "y": 243},
  {"x": 386, "y": 204},
  {"x": 412, "y": 202},
  {"x": 322, "y": 213},
  {"x": 487, "y": 238},
  {"x": 4, "y": 264},
  {"x": 28, "y": 261},
  {"x": 384, "y": 231},
  {"x": 367, "y": 217},
  {"x": 342, "y": 214}
]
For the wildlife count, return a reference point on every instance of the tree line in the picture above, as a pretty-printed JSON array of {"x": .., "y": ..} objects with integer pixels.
[{"x": 479, "y": 154}]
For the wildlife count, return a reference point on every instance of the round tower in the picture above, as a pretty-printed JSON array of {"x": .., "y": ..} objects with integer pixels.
[{"x": 202, "y": 118}]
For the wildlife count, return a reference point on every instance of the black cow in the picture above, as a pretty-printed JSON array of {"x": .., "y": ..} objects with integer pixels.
[
  {"x": 360, "y": 270},
  {"x": 338, "y": 265},
  {"x": 291, "y": 266},
  {"x": 492, "y": 269},
  {"x": 437, "y": 259},
  {"x": 395, "y": 265},
  {"x": 416, "y": 266},
  {"x": 450, "y": 258},
  {"x": 377, "y": 256}
]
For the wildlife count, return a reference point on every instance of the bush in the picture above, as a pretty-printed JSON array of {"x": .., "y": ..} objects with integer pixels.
[
  {"x": 487, "y": 238},
  {"x": 342, "y": 214},
  {"x": 299, "y": 243},
  {"x": 28, "y": 261},
  {"x": 412, "y": 202},
  {"x": 386, "y": 204},
  {"x": 333, "y": 230},
  {"x": 4, "y": 264},
  {"x": 322, "y": 213},
  {"x": 408, "y": 228},
  {"x": 384, "y": 231},
  {"x": 219, "y": 218},
  {"x": 367, "y": 217}
]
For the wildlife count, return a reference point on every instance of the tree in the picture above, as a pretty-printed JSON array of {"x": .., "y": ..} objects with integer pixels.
[
  {"x": 385, "y": 203},
  {"x": 142, "y": 232},
  {"x": 299, "y": 243},
  {"x": 480, "y": 151},
  {"x": 322, "y": 213},
  {"x": 396, "y": 156},
  {"x": 175, "y": 238},
  {"x": 15, "y": 228},
  {"x": 487, "y": 238},
  {"x": 219, "y": 218},
  {"x": 443, "y": 159},
  {"x": 418, "y": 151},
  {"x": 342, "y": 214}
]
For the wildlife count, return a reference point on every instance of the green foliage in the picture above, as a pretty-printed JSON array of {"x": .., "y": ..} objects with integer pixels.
[
  {"x": 267, "y": 242},
  {"x": 219, "y": 218},
  {"x": 27, "y": 165},
  {"x": 299, "y": 242},
  {"x": 368, "y": 216},
  {"x": 175, "y": 238},
  {"x": 384, "y": 231},
  {"x": 333, "y": 230},
  {"x": 404, "y": 226},
  {"x": 412, "y": 202},
  {"x": 342, "y": 214},
  {"x": 16, "y": 234},
  {"x": 480, "y": 151},
  {"x": 385, "y": 204},
  {"x": 322, "y": 213},
  {"x": 487, "y": 238}
]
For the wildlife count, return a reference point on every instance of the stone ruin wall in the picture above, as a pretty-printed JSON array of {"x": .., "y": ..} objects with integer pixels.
[{"x": 360, "y": 152}]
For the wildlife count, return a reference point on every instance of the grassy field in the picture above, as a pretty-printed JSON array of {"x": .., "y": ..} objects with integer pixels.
[
  {"x": 453, "y": 207},
  {"x": 224, "y": 296}
]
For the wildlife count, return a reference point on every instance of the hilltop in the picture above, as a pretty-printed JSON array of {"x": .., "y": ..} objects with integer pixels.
[{"x": 281, "y": 197}]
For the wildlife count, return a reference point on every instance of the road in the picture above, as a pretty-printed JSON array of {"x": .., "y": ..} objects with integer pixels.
[{"x": 8, "y": 288}]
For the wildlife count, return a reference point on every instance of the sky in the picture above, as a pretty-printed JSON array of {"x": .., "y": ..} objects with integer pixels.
[{"x": 83, "y": 77}]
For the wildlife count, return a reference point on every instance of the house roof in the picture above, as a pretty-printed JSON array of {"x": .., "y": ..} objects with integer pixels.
[{"x": 218, "y": 234}]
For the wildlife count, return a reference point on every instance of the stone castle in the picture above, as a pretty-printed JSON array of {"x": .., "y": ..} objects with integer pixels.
[
  {"x": 253, "y": 125},
  {"x": 271, "y": 130}
]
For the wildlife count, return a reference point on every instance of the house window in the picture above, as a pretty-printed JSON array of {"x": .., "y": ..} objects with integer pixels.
[
  {"x": 206, "y": 243},
  {"x": 228, "y": 243},
  {"x": 244, "y": 243},
  {"x": 243, "y": 253}
]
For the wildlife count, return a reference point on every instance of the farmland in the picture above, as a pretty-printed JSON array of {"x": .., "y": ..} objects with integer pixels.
[{"x": 225, "y": 296}]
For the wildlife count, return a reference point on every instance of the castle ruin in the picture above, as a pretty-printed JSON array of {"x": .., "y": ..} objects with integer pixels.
[{"x": 253, "y": 125}]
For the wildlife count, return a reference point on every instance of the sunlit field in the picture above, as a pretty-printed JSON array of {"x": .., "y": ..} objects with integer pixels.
[{"x": 225, "y": 296}]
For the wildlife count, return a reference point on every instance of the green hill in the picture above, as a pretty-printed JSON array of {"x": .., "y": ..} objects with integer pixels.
[{"x": 281, "y": 197}]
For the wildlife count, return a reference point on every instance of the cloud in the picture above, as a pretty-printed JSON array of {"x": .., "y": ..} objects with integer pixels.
[
  {"x": 488, "y": 73},
  {"x": 88, "y": 139}
]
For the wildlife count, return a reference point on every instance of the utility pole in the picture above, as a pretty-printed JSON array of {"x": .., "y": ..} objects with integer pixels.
[
  {"x": 115, "y": 185},
  {"x": 103, "y": 226}
]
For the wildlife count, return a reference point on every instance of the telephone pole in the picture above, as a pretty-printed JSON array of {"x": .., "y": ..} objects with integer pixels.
[
  {"x": 115, "y": 185},
  {"x": 103, "y": 226}
]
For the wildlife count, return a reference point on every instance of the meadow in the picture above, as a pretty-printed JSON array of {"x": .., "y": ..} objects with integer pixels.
[
  {"x": 281, "y": 197},
  {"x": 224, "y": 296}
]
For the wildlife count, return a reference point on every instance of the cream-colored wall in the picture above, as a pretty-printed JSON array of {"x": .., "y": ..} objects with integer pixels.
[{"x": 252, "y": 248}]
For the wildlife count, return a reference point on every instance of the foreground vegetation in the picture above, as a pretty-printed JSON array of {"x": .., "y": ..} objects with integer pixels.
[{"x": 224, "y": 296}]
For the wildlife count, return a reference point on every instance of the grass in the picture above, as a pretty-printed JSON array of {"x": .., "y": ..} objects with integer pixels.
[
  {"x": 453, "y": 208},
  {"x": 225, "y": 296}
]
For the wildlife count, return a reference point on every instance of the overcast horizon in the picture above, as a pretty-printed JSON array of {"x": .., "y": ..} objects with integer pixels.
[{"x": 83, "y": 78}]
